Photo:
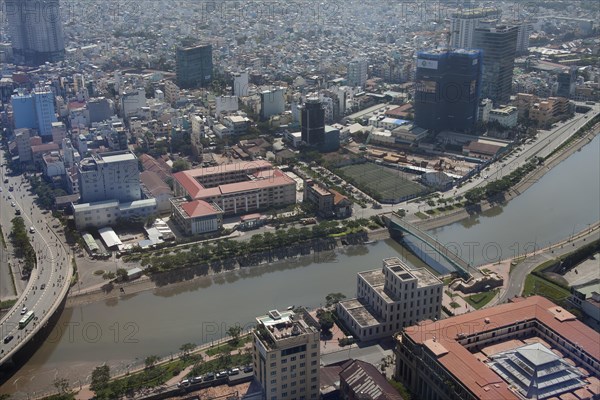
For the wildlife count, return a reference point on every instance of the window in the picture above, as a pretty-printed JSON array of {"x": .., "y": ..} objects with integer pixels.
[
  {"x": 273, "y": 364},
  {"x": 273, "y": 381}
]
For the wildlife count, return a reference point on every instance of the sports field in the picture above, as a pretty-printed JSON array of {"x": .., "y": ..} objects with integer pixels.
[{"x": 374, "y": 179}]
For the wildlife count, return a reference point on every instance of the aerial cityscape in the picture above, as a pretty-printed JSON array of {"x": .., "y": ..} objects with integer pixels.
[{"x": 276, "y": 200}]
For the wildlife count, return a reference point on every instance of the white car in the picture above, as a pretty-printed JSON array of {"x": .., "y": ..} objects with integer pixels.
[
  {"x": 32, "y": 230},
  {"x": 13, "y": 204},
  {"x": 24, "y": 310}
]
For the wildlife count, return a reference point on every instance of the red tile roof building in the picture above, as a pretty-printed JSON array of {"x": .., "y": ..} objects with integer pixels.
[
  {"x": 196, "y": 217},
  {"x": 237, "y": 188},
  {"x": 451, "y": 358}
]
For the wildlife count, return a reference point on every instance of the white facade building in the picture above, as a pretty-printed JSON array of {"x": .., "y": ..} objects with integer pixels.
[
  {"x": 463, "y": 24},
  {"x": 226, "y": 104},
  {"x": 110, "y": 176},
  {"x": 110, "y": 212},
  {"x": 240, "y": 84},
  {"x": 132, "y": 101},
  {"x": 272, "y": 102},
  {"x": 506, "y": 116},
  {"x": 357, "y": 72},
  {"x": 390, "y": 298}
]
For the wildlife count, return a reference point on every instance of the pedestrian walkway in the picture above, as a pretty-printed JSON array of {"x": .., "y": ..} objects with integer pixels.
[
  {"x": 460, "y": 306},
  {"x": 86, "y": 393}
]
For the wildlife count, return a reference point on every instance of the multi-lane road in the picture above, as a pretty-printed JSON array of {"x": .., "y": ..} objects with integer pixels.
[{"x": 48, "y": 283}]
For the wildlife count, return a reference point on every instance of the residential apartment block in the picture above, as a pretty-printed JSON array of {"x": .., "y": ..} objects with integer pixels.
[
  {"x": 528, "y": 348},
  {"x": 391, "y": 298},
  {"x": 237, "y": 188},
  {"x": 287, "y": 356}
]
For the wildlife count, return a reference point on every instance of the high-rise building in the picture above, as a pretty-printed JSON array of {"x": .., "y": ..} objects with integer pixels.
[
  {"x": 525, "y": 29},
  {"x": 566, "y": 80},
  {"x": 36, "y": 31},
  {"x": 43, "y": 98},
  {"x": 463, "y": 24},
  {"x": 286, "y": 356},
  {"x": 312, "y": 122},
  {"x": 357, "y": 72},
  {"x": 272, "y": 102},
  {"x": 499, "y": 45},
  {"x": 110, "y": 176},
  {"x": 240, "y": 84},
  {"x": 34, "y": 110},
  {"x": 194, "y": 66},
  {"x": 447, "y": 89}
]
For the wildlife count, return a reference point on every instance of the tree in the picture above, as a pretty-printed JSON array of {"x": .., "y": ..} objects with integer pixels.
[
  {"x": 186, "y": 349},
  {"x": 121, "y": 274},
  {"x": 62, "y": 385},
  {"x": 325, "y": 320},
  {"x": 150, "y": 361},
  {"x": 180, "y": 165},
  {"x": 334, "y": 298},
  {"x": 100, "y": 378},
  {"x": 235, "y": 332}
]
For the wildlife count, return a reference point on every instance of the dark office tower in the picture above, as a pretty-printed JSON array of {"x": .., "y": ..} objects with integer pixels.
[
  {"x": 312, "y": 115},
  {"x": 499, "y": 45},
  {"x": 447, "y": 89},
  {"x": 194, "y": 66},
  {"x": 566, "y": 82},
  {"x": 462, "y": 90},
  {"x": 36, "y": 31}
]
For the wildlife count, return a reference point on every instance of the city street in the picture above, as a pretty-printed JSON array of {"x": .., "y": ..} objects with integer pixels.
[{"x": 52, "y": 265}]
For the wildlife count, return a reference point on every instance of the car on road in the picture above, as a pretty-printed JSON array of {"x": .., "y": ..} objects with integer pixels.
[
  {"x": 209, "y": 377},
  {"x": 1, "y": 190},
  {"x": 31, "y": 229},
  {"x": 24, "y": 310},
  {"x": 6, "y": 180},
  {"x": 184, "y": 383},
  {"x": 8, "y": 338},
  {"x": 10, "y": 188},
  {"x": 43, "y": 286},
  {"x": 12, "y": 204},
  {"x": 17, "y": 212},
  {"x": 221, "y": 375}
]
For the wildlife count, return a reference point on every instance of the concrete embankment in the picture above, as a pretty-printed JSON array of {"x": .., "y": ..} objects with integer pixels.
[
  {"x": 523, "y": 185},
  {"x": 109, "y": 291}
]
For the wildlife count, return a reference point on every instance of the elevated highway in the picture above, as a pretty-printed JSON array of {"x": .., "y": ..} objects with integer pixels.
[{"x": 49, "y": 282}]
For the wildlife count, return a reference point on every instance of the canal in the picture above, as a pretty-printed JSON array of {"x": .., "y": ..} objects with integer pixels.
[{"x": 124, "y": 331}]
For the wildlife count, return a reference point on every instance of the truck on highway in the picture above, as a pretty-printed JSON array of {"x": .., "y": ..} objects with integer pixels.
[{"x": 26, "y": 319}]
